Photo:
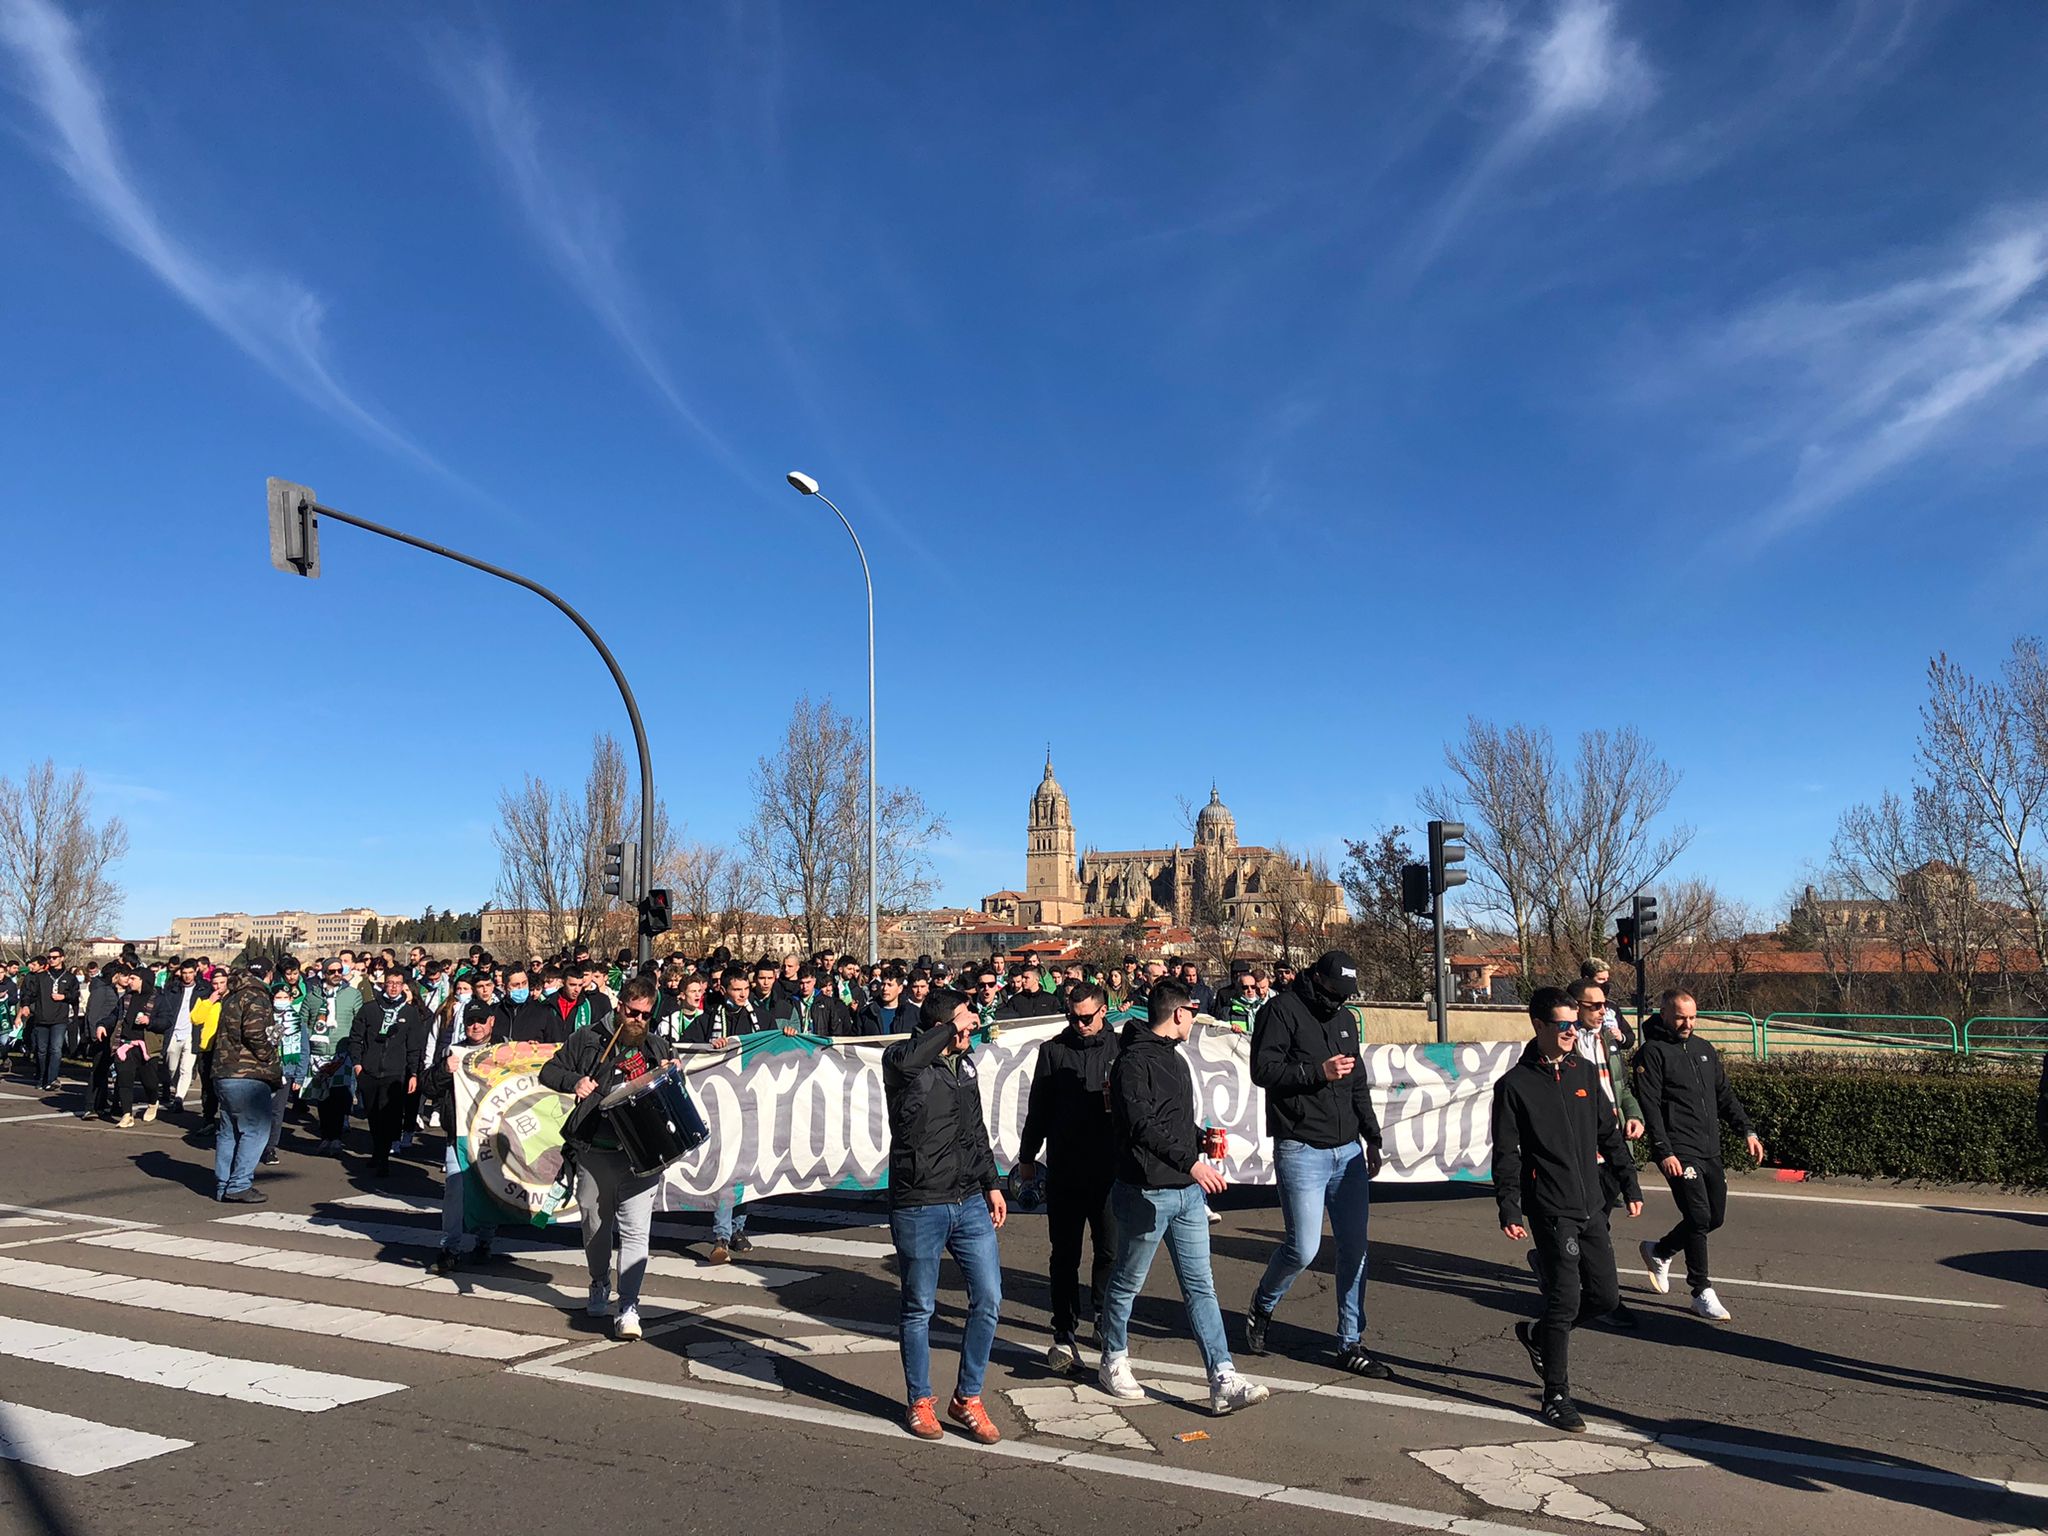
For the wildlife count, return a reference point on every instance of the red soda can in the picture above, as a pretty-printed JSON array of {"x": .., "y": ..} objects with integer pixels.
[{"x": 1215, "y": 1142}]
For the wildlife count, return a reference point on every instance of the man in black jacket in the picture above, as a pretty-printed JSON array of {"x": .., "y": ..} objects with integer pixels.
[
  {"x": 47, "y": 999},
  {"x": 1161, "y": 1175},
  {"x": 526, "y": 1016},
  {"x": 1326, "y": 1148},
  {"x": 1683, "y": 1091},
  {"x": 944, "y": 1197},
  {"x": 387, "y": 1043},
  {"x": 804, "y": 1010},
  {"x": 1029, "y": 1001},
  {"x": 886, "y": 1012},
  {"x": 1069, "y": 1112},
  {"x": 1551, "y": 1126}
]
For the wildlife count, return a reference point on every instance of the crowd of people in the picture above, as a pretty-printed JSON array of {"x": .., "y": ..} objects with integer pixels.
[{"x": 1110, "y": 1110}]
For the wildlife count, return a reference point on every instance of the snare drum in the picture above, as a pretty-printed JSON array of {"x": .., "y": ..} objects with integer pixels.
[{"x": 655, "y": 1120}]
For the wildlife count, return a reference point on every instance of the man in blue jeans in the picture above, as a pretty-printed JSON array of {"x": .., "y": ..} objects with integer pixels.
[
  {"x": 246, "y": 1075},
  {"x": 1319, "y": 1111},
  {"x": 1157, "y": 1197},
  {"x": 943, "y": 1198}
]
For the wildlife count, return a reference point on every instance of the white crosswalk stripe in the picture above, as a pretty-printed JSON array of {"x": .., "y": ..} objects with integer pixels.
[
  {"x": 188, "y": 1370},
  {"x": 60, "y": 1442}
]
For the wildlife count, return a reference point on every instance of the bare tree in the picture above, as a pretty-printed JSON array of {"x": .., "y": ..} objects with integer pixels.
[
  {"x": 1609, "y": 845},
  {"x": 1504, "y": 783},
  {"x": 1305, "y": 901},
  {"x": 1394, "y": 949},
  {"x": 56, "y": 884},
  {"x": 807, "y": 842}
]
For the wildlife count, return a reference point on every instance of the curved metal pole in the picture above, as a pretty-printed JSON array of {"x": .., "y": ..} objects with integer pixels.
[
  {"x": 610, "y": 661},
  {"x": 874, "y": 882}
]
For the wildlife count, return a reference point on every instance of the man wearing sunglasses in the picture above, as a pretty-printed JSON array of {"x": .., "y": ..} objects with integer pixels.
[
  {"x": 1596, "y": 1042},
  {"x": 1068, "y": 1112},
  {"x": 1552, "y": 1125},
  {"x": 617, "y": 1204}
]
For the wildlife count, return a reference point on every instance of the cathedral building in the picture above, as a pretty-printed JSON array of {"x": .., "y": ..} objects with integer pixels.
[{"x": 1064, "y": 884}]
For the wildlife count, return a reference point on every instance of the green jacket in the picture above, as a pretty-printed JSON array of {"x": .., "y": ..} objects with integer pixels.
[{"x": 321, "y": 1042}]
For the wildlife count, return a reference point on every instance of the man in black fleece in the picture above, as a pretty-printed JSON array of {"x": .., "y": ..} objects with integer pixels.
[
  {"x": 1068, "y": 1110},
  {"x": 1684, "y": 1093},
  {"x": 1326, "y": 1147},
  {"x": 388, "y": 1044},
  {"x": 1551, "y": 1125}
]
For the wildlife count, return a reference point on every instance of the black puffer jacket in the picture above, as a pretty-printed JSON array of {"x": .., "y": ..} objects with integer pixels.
[
  {"x": 1068, "y": 1109},
  {"x": 1550, "y": 1124},
  {"x": 1684, "y": 1094},
  {"x": 1152, "y": 1104},
  {"x": 1291, "y": 1039},
  {"x": 585, "y": 1056},
  {"x": 388, "y": 1051},
  {"x": 938, "y": 1141}
]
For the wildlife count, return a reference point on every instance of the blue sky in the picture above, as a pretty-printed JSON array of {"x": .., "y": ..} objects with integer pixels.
[{"x": 1298, "y": 378}]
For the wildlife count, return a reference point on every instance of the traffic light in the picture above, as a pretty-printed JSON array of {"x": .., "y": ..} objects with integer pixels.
[
  {"x": 1444, "y": 851},
  {"x": 621, "y": 870},
  {"x": 294, "y": 529},
  {"x": 1625, "y": 940},
  {"x": 654, "y": 913},
  {"x": 1415, "y": 889},
  {"x": 1646, "y": 922}
]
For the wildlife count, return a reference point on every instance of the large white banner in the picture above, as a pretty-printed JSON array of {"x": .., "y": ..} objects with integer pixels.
[{"x": 799, "y": 1115}]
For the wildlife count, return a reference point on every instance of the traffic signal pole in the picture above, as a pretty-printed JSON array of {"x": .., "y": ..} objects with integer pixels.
[
  {"x": 294, "y": 547},
  {"x": 1445, "y": 854}
]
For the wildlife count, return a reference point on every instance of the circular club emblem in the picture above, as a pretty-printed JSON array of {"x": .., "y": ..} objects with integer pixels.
[{"x": 513, "y": 1128}]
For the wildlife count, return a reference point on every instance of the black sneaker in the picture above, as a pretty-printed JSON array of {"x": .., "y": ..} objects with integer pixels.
[
  {"x": 1359, "y": 1363},
  {"x": 741, "y": 1243},
  {"x": 270, "y": 1159},
  {"x": 1525, "y": 1332},
  {"x": 1622, "y": 1318},
  {"x": 1559, "y": 1413},
  {"x": 1255, "y": 1323},
  {"x": 247, "y": 1197},
  {"x": 443, "y": 1262}
]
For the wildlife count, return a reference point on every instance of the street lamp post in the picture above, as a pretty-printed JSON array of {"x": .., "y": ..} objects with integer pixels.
[
  {"x": 295, "y": 548},
  {"x": 809, "y": 487}
]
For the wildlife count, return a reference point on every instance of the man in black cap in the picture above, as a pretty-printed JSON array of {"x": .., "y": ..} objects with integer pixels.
[
  {"x": 1319, "y": 1110},
  {"x": 1239, "y": 1006}
]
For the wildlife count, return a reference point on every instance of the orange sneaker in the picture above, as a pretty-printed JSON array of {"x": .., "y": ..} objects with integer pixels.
[
  {"x": 968, "y": 1413},
  {"x": 923, "y": 1420}
]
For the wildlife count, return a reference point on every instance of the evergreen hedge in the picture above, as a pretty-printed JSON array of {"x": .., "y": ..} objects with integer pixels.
[{"x": 1948, "y": 1120}]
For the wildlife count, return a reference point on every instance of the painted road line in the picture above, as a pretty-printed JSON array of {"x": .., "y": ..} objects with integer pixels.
[
  {"x": 1849, "y": 1468},
  {"x": 800, "y": 1242},
  {"x": 1824, "y": 1290},
  {"x": 187, "y": 1370},
  {"x": 51, "y": 1215},
  {"x": 813, "y": 1417},
  {"x": 465, "y": 1340},
  {"x": 1938, "y": 1207},
  {"x": 760, "y": 1276},
  {"x": 23, "y": 1221},
  {"x": 57, "y": 1442},
  {"x": 353, "y": 1269}
]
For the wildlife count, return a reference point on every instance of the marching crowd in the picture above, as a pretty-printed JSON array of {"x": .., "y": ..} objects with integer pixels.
[{"x": 1110, "y": 1114}]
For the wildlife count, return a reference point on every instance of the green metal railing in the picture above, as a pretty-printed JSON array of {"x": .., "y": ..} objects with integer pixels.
[
  {"x": 1943, "y": 1036},
  {"x": 2004, "y": 1042},
  {"x": 1731, "y": 1029}
]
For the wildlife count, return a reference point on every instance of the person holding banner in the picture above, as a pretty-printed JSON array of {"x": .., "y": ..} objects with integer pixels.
[
  {"x": 945, "y": 1196},
  {"x": 438, "y": 1088},
  {"x": 1326, "y": 1148},
  {"x": 617, "y": 1204},
  {"x": 1552, "y": 1126}
]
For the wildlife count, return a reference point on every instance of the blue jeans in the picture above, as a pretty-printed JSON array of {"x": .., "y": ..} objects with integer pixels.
[
  {"x": 728, "y": 1221},
  {"x": 244, "y": 1128},
  {"x": 46, "y": 1045},
  {"x": 1179, "y": 1218},
  {"x": 1311, "y": 1178},
  {"x": 922, "y": 1233},
  {"x": 279, "y": 1103}
]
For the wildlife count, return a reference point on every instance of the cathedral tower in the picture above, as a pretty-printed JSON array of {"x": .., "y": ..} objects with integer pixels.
[{"x": 1049, "y": 868}]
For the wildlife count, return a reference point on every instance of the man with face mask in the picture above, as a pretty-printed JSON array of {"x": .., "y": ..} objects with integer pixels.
[
  {"x": 387, "y": 1045},
  {"x": 526, "y": 1016},
  {"x": 1326, "y": 1148},
  {"x": 1068, "y": 1112},
  {"x": 1684, "y": 1095}
]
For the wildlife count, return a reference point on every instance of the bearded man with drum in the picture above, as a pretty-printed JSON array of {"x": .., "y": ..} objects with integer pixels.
[{"x": 616, "y": 1203}]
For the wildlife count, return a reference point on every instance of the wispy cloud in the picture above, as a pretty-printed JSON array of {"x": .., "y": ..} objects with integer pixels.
[
  {"x": 1575, "y": 68},
  {"x": 579, "y": 229},
  {"x": 273, "y": 318},
  {"x": 1864, "y": 381}
]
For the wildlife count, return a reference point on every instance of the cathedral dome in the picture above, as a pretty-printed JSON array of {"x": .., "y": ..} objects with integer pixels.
[{"x": 1215, "y": 824}]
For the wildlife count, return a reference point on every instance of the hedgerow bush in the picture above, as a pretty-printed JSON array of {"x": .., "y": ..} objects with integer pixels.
[{"x": 1948, "y": 1120}]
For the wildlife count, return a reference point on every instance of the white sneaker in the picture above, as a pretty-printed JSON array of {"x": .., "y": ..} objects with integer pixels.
[
  {"x": 1659, "y": 1270},
  {"x": 1708, "y": 1305},
  {"x": 1230, "y": 1392},
  {"x": 1215, "y": 1218},
  {"x": 600, "y": 1303},
  {"x": 1116, "y": 1379},
  {"x": 628, "y": 1324}
]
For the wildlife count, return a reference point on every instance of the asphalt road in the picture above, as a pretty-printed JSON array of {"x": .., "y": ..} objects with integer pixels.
[{"x": 1886, "y": 1370}]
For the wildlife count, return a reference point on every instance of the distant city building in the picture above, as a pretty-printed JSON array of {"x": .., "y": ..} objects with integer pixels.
[
  {"x": 224, "y": 933},
  {"x": 1063, "y": 885}
]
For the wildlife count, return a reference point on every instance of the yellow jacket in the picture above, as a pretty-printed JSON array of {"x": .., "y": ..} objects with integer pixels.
[{"x": 205, "y": 1020}]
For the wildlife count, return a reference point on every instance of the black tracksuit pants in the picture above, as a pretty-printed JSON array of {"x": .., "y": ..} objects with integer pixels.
[
  {"x": 1702, "y": 1207},
  {"x": 384, "y": 1109},
  {"x": 1579, "y": 1284},
  {"x": 1074, "y": 1204}
]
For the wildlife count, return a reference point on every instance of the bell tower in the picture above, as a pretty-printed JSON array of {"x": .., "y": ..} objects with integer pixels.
[{"x": 1050, "y": 873}]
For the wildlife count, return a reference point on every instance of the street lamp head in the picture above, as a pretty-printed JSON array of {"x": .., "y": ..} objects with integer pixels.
[{"x": 803, "y": 482}]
